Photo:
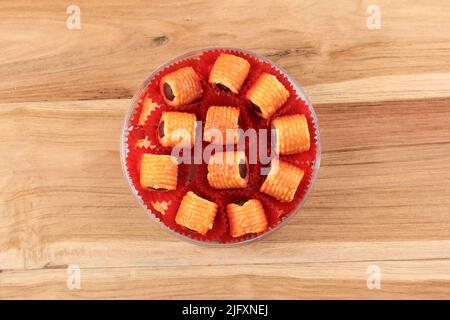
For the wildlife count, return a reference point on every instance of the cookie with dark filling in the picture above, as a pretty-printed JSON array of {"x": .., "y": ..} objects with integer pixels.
[
  {"x": 158, "y": 172},
  {"x": 247, "y": 217},
  {"x": 176, "y": 128},
  {"x": 181, "y": 87},
  {"x": 267, "y": 95},
  {"x": 228, "y": 170},
  {"x": 229, "y": 72}
]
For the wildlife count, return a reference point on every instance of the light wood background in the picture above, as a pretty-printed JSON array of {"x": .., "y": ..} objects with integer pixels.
[{"x": 382, "y": 197}]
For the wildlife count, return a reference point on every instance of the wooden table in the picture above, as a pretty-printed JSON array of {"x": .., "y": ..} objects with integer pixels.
[{"x": 381, "y": 201}]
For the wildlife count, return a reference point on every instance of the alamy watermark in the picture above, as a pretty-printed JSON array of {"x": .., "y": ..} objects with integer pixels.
[
  {"x": 73, "y": 21},
  {"x": 373, "y": 21},
  {"x": 73, "y": 277},
  {"x": 258, "y": 146},
  {"x": 373, "y": 273}
]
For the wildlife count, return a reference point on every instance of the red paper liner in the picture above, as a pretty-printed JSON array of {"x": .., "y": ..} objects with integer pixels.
[
  {"x": 192, "y": 177},
  {"x": 148, "y": 196},
  {"x": 133, "y": 161},
  {"x": 286, "y": 208},
  {"x": 191, "y": 108},
  {"x": 133, "y": 166},
  {"x": 137, "y": 111},
  {"x": 200, "y": 184},
  {"x": 134, "y": 135},
  {"x": 173, "y": 197}
]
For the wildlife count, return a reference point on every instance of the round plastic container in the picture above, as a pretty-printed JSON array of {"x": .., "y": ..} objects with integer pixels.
[{"x": 124, "y": 148}]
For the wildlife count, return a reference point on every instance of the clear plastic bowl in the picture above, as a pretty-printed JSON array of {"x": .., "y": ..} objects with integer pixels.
[{"x": 124, "y": 146}]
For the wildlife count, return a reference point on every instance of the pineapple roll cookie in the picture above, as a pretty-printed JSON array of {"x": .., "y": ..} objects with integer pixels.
[
  {"x": 282, "y": 181},
  {"x": 158, "y": 172},
  {"x": 229, "y": 72},
  {"x": 246, "y": 217},
  {"x": 196, "y": 213},
  {"x": 267, "y": 95},
  {"x": 177, "y": 127},
  {"x": 228, "y": 170},
  {"x": 181, "y": 87},
  {"x": 292, "y": 134},
  {"x": 221, "y": 125}
]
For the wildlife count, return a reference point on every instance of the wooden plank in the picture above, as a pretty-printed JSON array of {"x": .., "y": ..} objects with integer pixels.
[
  {"x": 381, "y": 197},
  {"x": 326, "y": 47},
  {"x": 400, "y": 279}
]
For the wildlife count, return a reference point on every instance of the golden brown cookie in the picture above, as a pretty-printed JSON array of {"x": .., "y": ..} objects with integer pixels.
[
  {"x": 267, "y": 95},
  {"x": 229, "y": 72},
  {"x": 248, "y": 217},
  {"x": 292, "y": 134},
  {"x": 228, "y": 170},
  {"x": 221, "y": 125},
  {"x": 158, "y": 171},
  {"x": 177, "y": 127},
  {"x": 282, "y": 181},
  {"x": 196, "y": 213},
  {"x": 181, "y": 87}
]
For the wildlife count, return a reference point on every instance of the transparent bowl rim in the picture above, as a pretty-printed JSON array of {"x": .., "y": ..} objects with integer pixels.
[{"x": 124, "y": 146}]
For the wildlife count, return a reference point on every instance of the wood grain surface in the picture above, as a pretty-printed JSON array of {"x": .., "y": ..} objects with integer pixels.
[{"x": 382, "y": 197}]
